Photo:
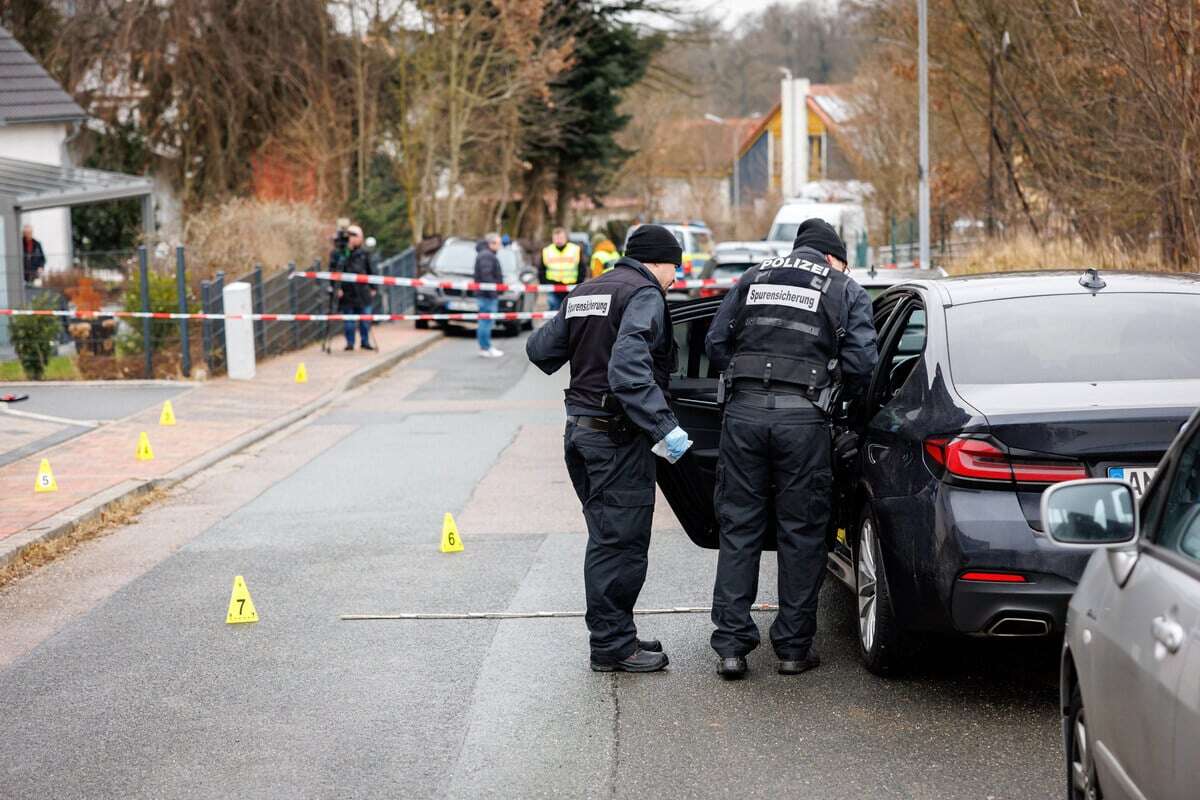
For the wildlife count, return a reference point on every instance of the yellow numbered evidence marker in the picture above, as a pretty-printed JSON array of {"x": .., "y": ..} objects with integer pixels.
[
  {"x": 168, "y": 414},
  {"x": 451, "y": 541},
  {"x": 144, "y": 453},
  {"x": 241, "y": 607},
  {"x": 301, "y": 374},
  {"x": 45, "y": 478}
]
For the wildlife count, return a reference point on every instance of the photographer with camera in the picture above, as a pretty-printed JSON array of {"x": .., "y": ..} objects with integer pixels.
[{"x": 353, "y": 298}]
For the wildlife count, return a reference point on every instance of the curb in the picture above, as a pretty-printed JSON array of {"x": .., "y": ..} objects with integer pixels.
[{"x": 68, "y": 519}]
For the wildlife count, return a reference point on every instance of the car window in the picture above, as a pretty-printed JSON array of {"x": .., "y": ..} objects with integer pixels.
[
  {"x": 693, "y": 360},
  {"x": 458, "y": 258},
  {"x": 783, "y": 232},
  {"x": 732, "y": 269},
  {"x": 703, "y": 242},
  {"x": 1180, "y": 519},
  {"x": 905, "y": 342},
  {"x": 1074, "y": 338}
]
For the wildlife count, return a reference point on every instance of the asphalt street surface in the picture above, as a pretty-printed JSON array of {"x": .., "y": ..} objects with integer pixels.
[
  {"x": 120, "y": 678},
  {"x": 56, "y": 412}
]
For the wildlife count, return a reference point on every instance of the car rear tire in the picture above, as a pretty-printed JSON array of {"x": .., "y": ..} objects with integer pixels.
[
  {"x": 1082, "y": 782},
  {"x": 886, "y": 648},
  {"x": 422, "y": 324},
  {"x": 512, "y": 329}
]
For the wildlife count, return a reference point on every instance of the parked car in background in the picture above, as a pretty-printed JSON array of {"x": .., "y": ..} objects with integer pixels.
[
  {"x": 1130, "y": 684},
  {"x": 697, "y": 242},
  {"x": 731, "y": 259},
  {"x": 988, "y": 389},
  {"x": 455, "y": 261}
]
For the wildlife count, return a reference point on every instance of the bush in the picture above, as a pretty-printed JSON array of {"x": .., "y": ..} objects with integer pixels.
[
  {"x": 163, "y": 298},
  {"x": 238, "y": 234},
  {"x": 33, "y": 339}
]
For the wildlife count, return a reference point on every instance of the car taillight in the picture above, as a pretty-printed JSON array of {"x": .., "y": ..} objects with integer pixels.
[
  {"x": 993, "y": 577},
  {"x": 710, "y": 292},
  {"x": 984, "y": 460}
]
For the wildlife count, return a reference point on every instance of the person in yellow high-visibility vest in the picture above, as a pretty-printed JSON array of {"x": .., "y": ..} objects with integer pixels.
[
  {"x": 603, "y": 257},
  {"x": 561, "y": 263}
]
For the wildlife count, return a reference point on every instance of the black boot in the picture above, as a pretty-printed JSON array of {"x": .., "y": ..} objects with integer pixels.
[
  {"x": 640, "y": 661},
  {"x": 732, "y": 668},
  {"x": 795, "y": 666},
  {"x": 651, "y": 645}
]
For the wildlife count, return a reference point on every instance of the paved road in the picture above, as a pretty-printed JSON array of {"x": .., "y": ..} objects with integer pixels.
[
  {"x": 56, "y": 412},
  {"x": 119, "y": 678}
]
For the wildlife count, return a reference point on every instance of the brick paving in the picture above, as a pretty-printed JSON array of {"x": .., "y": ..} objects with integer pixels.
[{"x": 209, "y": 417}]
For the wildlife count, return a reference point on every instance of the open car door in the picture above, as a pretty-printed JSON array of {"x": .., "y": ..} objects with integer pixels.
[{"x": 689, "y": 483}]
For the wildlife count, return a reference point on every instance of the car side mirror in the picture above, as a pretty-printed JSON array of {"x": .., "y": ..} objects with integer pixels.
[{"x": 1096, "y": 512}]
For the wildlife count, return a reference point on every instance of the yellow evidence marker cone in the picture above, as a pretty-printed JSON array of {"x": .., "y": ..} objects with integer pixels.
[
  {"x": 451, "y": 541},
  {"x": 45, "y": 478},
  {"x": 144, "y": 453},
  {"x": 241, "y": 607},
  {"x": 301, "y": 373},
  {"x": 167, "y": 417}
]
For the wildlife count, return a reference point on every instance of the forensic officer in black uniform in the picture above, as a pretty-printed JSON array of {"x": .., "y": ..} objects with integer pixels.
[
  {"x": 788, "y": 337},
  {"x": 615, "y": 330}
]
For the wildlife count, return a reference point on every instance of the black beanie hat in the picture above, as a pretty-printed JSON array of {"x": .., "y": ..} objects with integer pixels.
[
  {"x": 654, "y": 244},
  {"x": 822, "y": 237}
]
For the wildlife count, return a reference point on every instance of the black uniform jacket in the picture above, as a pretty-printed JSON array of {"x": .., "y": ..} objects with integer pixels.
[{"x": 631, "y": 366}]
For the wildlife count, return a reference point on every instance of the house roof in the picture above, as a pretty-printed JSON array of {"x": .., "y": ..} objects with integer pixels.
[
  {"x": 27, "y": 92},
  {"x": 30, "y": 186},
  {"x": 826, "y": 100}
]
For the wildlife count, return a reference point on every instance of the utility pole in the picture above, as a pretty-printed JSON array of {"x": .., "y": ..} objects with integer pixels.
[{"x": 923, "y": 112}]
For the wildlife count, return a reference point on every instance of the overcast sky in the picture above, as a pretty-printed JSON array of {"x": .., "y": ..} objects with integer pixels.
[{"x": 733, "y": 10}]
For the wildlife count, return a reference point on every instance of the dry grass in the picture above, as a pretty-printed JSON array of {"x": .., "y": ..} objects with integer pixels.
[
  {"x": 123, "y": 512},
  {"x": 238, "y": 234},
  {"x": 1020, "y": 253}
]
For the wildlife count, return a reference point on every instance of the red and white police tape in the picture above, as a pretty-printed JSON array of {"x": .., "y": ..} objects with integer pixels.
[
  {"x": 508, "y": 316},
  {"x": 473, "y": 286}
]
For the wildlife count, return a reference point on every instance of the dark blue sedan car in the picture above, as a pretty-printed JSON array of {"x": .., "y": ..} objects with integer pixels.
[{"x": 988, "y": 390}]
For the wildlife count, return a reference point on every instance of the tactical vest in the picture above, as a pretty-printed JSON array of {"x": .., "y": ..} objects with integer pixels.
[
  {"x": 594, "y": 310},
  {"x": 562, "y": 266},
  {"x": 788, "y": 330}
]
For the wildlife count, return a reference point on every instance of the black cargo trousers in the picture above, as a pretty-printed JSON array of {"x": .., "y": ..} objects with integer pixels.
[
  {"x": 615, "y": 484},
  {"x": 776, "y": 458}
]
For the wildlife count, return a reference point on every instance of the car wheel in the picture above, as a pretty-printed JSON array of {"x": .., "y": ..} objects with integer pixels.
[
  {"x": 884, "y": 646},
  {"x": 422, "y": 324},
  {"x": 1081, "y": 769},
  {"x": 512, "y": 329}
]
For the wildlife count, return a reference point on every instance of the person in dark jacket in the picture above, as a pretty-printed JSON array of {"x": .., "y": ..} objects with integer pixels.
[
  {"x": 615, "y": 330},
  {"x": 487, "y": 270},
  {"x": 33, "y": 259},
  {"x": 353, "y": 297},
  {"x": 792, "y": 332}
]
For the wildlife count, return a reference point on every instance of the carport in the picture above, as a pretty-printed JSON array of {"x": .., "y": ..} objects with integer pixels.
[{"x": 30, "y": 186}]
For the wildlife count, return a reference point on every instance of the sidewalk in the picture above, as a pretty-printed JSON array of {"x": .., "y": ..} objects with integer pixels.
[{"x": 214, "y": 419}]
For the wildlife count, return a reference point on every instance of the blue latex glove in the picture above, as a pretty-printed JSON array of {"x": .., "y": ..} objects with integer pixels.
[{"x": 677, "y": 443}]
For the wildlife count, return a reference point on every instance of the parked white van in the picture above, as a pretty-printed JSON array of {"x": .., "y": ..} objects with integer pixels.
[{"x": 850, "y": 219}]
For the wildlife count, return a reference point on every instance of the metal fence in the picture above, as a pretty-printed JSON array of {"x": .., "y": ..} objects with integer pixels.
[{"x": 281, "y": 294}]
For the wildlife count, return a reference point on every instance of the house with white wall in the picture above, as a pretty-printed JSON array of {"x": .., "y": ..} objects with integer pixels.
[
  {"x": 37, "y": 118},
  {"x": 38, "y": 184}
]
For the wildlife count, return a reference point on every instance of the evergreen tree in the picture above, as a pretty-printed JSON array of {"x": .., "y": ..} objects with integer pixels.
[{"x": 572, "y": 138}]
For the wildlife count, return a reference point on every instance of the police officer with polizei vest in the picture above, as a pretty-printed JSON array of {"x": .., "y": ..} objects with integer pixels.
[
  {"x": 793, "y": 334},
  {"x": 615, "y": 331}
]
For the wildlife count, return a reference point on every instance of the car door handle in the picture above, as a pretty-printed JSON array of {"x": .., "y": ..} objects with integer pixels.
[
  {"x": 876, "y": 452},
  {"x": 1168, "y": 633}
]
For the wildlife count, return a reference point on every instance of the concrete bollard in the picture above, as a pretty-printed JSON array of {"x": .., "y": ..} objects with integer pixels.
[{"x": 239, "y": 333}]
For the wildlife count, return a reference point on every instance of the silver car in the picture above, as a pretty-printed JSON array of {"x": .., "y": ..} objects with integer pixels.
[{"x": 1131, "y": 659}]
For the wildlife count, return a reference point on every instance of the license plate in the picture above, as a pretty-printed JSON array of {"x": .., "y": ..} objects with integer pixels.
[
  {"x": 1137, "y": 477},
  {"x": 461, "y": 305}
]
